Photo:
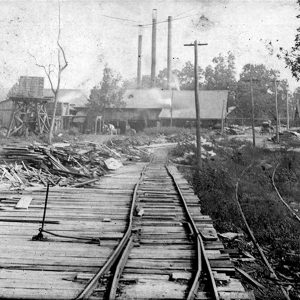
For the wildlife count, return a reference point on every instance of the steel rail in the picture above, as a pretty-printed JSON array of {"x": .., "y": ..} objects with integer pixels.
[
  {"x": 200, "y": 250},
  {"x": 256, "y": 244},
  {"x": 280, "y": 197},
  {"x": 119, "y": 270},
  {"x": 87, "y": 291}
]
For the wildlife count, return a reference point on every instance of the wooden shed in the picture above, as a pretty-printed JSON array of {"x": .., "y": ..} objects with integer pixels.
[{"x": 146, "y": 107}]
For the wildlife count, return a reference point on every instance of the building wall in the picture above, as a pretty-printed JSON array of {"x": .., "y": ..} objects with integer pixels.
[
  {"x": 126, "y": 114},
  {"x": 62, "y": 109},
  {"x": 6, "y": 108},
  {"x": 188, "y": 123}
]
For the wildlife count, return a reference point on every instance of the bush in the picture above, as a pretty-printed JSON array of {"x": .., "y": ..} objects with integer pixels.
[
  {"x": 74, "y": 131},
  {"x": 270, "y": 221}
]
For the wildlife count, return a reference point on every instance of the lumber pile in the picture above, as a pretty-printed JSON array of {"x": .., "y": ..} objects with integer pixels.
[{"x": 62, "y": 164}]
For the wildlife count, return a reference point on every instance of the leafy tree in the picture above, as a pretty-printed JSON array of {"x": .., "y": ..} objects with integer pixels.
[
  {"x": 221, "y": 76},
  {"x": 186, "y": 76},
  {"x": 13, "y": 91},
  {"x": 292, "y": 57},
  {"x": 295, "y": 100},
  {"x": 162, "y": 79},
  {"x": 263, "y": 92},
  {"x": 108, "y": 93}
]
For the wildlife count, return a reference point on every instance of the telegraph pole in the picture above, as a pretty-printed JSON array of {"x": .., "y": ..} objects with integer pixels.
[
  {"x": 153, "y": 52},
  {"x": 252, "y": 103},
  {"x": 277, "y": 114},
  {"x": 169, "y": 63},
  {"x": 252, "y": 109},
  {"x": 139, "y": 63},
  {"x": 197, "y": 103},
  {"x": 287, "y": 111}
]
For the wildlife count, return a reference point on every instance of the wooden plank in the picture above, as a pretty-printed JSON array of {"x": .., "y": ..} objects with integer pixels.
[
  {"x": 236, "y": 295},
  {"x": 24, "y": 202},
  {"x": 157, "y": 290},
  {"x": 27, "y": 293}
]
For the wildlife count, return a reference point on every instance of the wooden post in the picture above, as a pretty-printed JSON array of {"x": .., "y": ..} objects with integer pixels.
[
  {"x": 139, "y": 63},
  {"x": 222, "y": 118},
  {"x": 287, "y": 111},
  {"x": 277, "y": 114},
  {"x": 197, "y": 103},
  {"x": 252, "y": 110},
  {"x": 169, "y": 62},
  {"x": 153, "y": 52},
  {"x": 252, "y": 103},
  {"x": 171, "y": 108}
]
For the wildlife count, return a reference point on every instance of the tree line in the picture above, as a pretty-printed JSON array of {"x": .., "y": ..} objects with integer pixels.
[{"x": 220, "y": 74}]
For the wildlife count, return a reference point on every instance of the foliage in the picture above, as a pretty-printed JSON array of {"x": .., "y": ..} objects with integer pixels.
[
  {"x": 186, "y": 76},
  {"x": 292, "y": 57},
  {"x": 108, "y": 93},
  {"x": 167, "y": 130},
  {"x": 221, "y": 76},
  {"x": 263, "y": 92},
  {"x": 183, "y": 79},
  {"x": 271, "y": 223},
  {"x": 13, "y": 90}
]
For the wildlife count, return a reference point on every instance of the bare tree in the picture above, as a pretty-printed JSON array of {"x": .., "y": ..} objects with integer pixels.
[{"x": 62, "y": 64}]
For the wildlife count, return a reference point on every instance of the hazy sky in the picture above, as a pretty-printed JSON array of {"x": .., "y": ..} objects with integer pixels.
[{"x": 91, "y": 39}]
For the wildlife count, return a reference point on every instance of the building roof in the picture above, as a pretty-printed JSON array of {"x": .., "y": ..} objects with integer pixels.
[
  {"x": 212, "y": 103},
  {"x": 3, "y": 93},
  {"x": 145, "y": 98},
  {"x": 73, "y": 96}
]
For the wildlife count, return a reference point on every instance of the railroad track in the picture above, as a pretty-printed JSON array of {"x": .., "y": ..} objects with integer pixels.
[{"x": 169, "y": 250}]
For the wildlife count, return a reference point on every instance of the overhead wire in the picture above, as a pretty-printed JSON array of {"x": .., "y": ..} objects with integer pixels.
[
  {"x": 175, "y": 19},
  {"x": 149, "y": 24},
  {"x": 183, "y": 13}
]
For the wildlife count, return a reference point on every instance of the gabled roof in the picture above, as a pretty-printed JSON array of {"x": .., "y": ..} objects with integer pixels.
[
  {"x": 73, "y": 96},
  {"x": 212, "y": 103},
  {"x": 145, "y": 98},
  {"x": 3, "y": 94}
]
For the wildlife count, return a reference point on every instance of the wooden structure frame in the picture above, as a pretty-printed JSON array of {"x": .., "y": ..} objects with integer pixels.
[{"x": 29, "y": 114}]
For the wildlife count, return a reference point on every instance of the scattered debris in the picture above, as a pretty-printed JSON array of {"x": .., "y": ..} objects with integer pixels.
[
  {"x": 179, "y": 276},
  {"x": 287, "y": 136},
  {"x": 112, "y": 164},
  {"x": 230, "y": 235},
  {"x": 234, "y": 130},
  {"x": 64, "y": 164},
  {"x": 250, "y": 279}
]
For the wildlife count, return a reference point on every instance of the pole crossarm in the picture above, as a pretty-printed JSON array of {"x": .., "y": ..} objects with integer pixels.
[{"x": 199, "y": 44}]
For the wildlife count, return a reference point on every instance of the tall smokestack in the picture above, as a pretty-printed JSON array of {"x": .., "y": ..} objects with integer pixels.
[
  {"x": 153, "y": 53},
  {"x": 169, "y": 63},
  {"x": 139, "y": 62}
]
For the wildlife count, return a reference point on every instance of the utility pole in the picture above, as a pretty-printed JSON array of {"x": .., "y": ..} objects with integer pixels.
[
  {"x": 171, "y": 108},
  {"x": 287, "y": 111},
  {"x": 169, "y": 62},
  {"x": 252, "y": 103},
  {"x": 139, "y": 63},
  {"x": 277, "y": 114},
  {"x": 153, "y": 52},
  {"x": 252, "y": 109},
  {"x": 197, "y": 103}
]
